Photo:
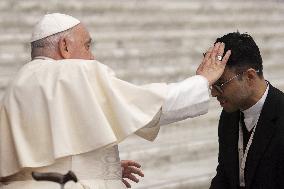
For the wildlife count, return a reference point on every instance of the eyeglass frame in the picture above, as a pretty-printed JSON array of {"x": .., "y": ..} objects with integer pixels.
[{"x": 219, "y": 87}]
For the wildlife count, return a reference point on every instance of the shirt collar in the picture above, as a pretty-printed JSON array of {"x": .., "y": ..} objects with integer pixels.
[
  {"x": 251, "y": 114},
  {"x": 42, "y": 58}
]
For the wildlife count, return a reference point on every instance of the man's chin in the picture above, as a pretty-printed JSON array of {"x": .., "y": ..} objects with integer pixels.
[{"x": 229, "y": 109}]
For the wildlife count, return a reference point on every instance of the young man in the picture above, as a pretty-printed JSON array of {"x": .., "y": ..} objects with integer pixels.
[{"x": 251, "y": 126}]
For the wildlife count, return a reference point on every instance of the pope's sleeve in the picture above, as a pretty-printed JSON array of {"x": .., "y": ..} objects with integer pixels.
[{"x": 186, "y": 99}]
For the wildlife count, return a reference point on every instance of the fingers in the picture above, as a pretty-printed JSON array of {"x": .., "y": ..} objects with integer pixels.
[
  {"x": 221, "y": 50},
  {"x": 207, "y": 55},
  {"x": 130, "y": 170},
  {"x": 126, "y": 163},
  {"x": 212, "y": 66},
  {"x": 133, "y": 163},
  {"x": 226, "y": 57},
  {"x": 131, "y": 177},
  {"x": 126, "y": 183},
  {"x": 215, "y": 51}
]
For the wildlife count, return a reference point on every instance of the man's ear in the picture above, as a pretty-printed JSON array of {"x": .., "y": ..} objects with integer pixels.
[
  {"x": 251, "y": 75},
  {"x": 64, "y": 50}
]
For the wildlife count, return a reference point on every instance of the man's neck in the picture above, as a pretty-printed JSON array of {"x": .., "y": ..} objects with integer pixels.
[{"x": 260, "y": 89}]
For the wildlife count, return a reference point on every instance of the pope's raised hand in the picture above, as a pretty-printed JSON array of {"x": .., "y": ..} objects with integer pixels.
[{"x": 213, "y": 64}]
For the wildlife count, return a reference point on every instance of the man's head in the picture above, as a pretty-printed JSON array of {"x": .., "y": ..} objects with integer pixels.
[
  {"x": 242, "y": 83},
  {"x": 60, "y": 36}
]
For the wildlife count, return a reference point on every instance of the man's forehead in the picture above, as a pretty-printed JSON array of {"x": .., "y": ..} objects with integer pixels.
[{"x": 228, "y": 72}]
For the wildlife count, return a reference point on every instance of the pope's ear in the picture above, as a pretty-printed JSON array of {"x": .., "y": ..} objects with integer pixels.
[{"x": 64, "y": 50}]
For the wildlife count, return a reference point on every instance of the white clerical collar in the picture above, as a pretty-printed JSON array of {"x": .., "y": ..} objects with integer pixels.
[
  {"x": 42, "y": 58},
  {"x": 252, "y": 114}
]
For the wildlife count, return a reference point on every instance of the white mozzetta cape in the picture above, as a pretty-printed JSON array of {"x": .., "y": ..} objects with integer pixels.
[{"x": 54, "y": 109}]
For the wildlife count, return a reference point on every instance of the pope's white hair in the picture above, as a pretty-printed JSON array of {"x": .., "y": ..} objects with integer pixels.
[{"x": 48, "y": 45}]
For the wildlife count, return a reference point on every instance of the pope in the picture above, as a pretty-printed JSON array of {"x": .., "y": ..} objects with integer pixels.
[{"x": 66, "y": 111}]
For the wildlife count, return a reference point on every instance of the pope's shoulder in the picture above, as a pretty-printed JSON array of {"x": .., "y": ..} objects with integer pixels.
[
  {"x": 50, "y": 63},
  {"x": 65, "y": 65},
  {"x": 43, "y": 70}
]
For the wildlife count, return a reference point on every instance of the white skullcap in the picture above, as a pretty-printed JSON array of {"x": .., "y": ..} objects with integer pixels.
[{"x": 51, "y": 24}]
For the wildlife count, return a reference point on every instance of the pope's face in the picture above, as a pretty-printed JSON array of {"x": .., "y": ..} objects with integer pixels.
[{"x": 80, "y": 44}]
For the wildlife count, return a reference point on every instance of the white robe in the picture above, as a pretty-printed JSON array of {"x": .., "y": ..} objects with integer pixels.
[{"x": 54, "y": 110}]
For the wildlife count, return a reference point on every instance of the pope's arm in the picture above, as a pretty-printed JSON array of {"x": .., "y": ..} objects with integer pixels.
[
  {"x": 189, "y": 98},
  {"x": 186, "y": 99}
]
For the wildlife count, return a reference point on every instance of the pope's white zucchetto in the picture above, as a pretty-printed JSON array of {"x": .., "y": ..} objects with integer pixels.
[{"x": 52, "y": 24}]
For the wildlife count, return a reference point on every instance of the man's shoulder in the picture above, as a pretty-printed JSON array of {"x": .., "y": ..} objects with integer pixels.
[
  {"x": 229, "y": 115},
  {"x": 227, "y": 124},
  {"x": 277, "y": 95},
  {"x": 275, "y": 90},
  {"x": 228, "y": 118}
]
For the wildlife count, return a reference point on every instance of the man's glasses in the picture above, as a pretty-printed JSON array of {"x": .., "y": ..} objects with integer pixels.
[{"x": 219, "y": 86}]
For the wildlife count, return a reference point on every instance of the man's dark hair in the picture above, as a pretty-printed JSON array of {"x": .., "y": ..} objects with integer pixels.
[{"x": 245, "y": 53}]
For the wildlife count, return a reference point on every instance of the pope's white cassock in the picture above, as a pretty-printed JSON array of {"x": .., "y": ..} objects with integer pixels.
[{"x": 66, "y": 115}]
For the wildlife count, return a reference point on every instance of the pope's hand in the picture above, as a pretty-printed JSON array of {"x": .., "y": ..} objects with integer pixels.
[
  {"x": 129, "y": 170},
  {"x": 213, "y": 64}
]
